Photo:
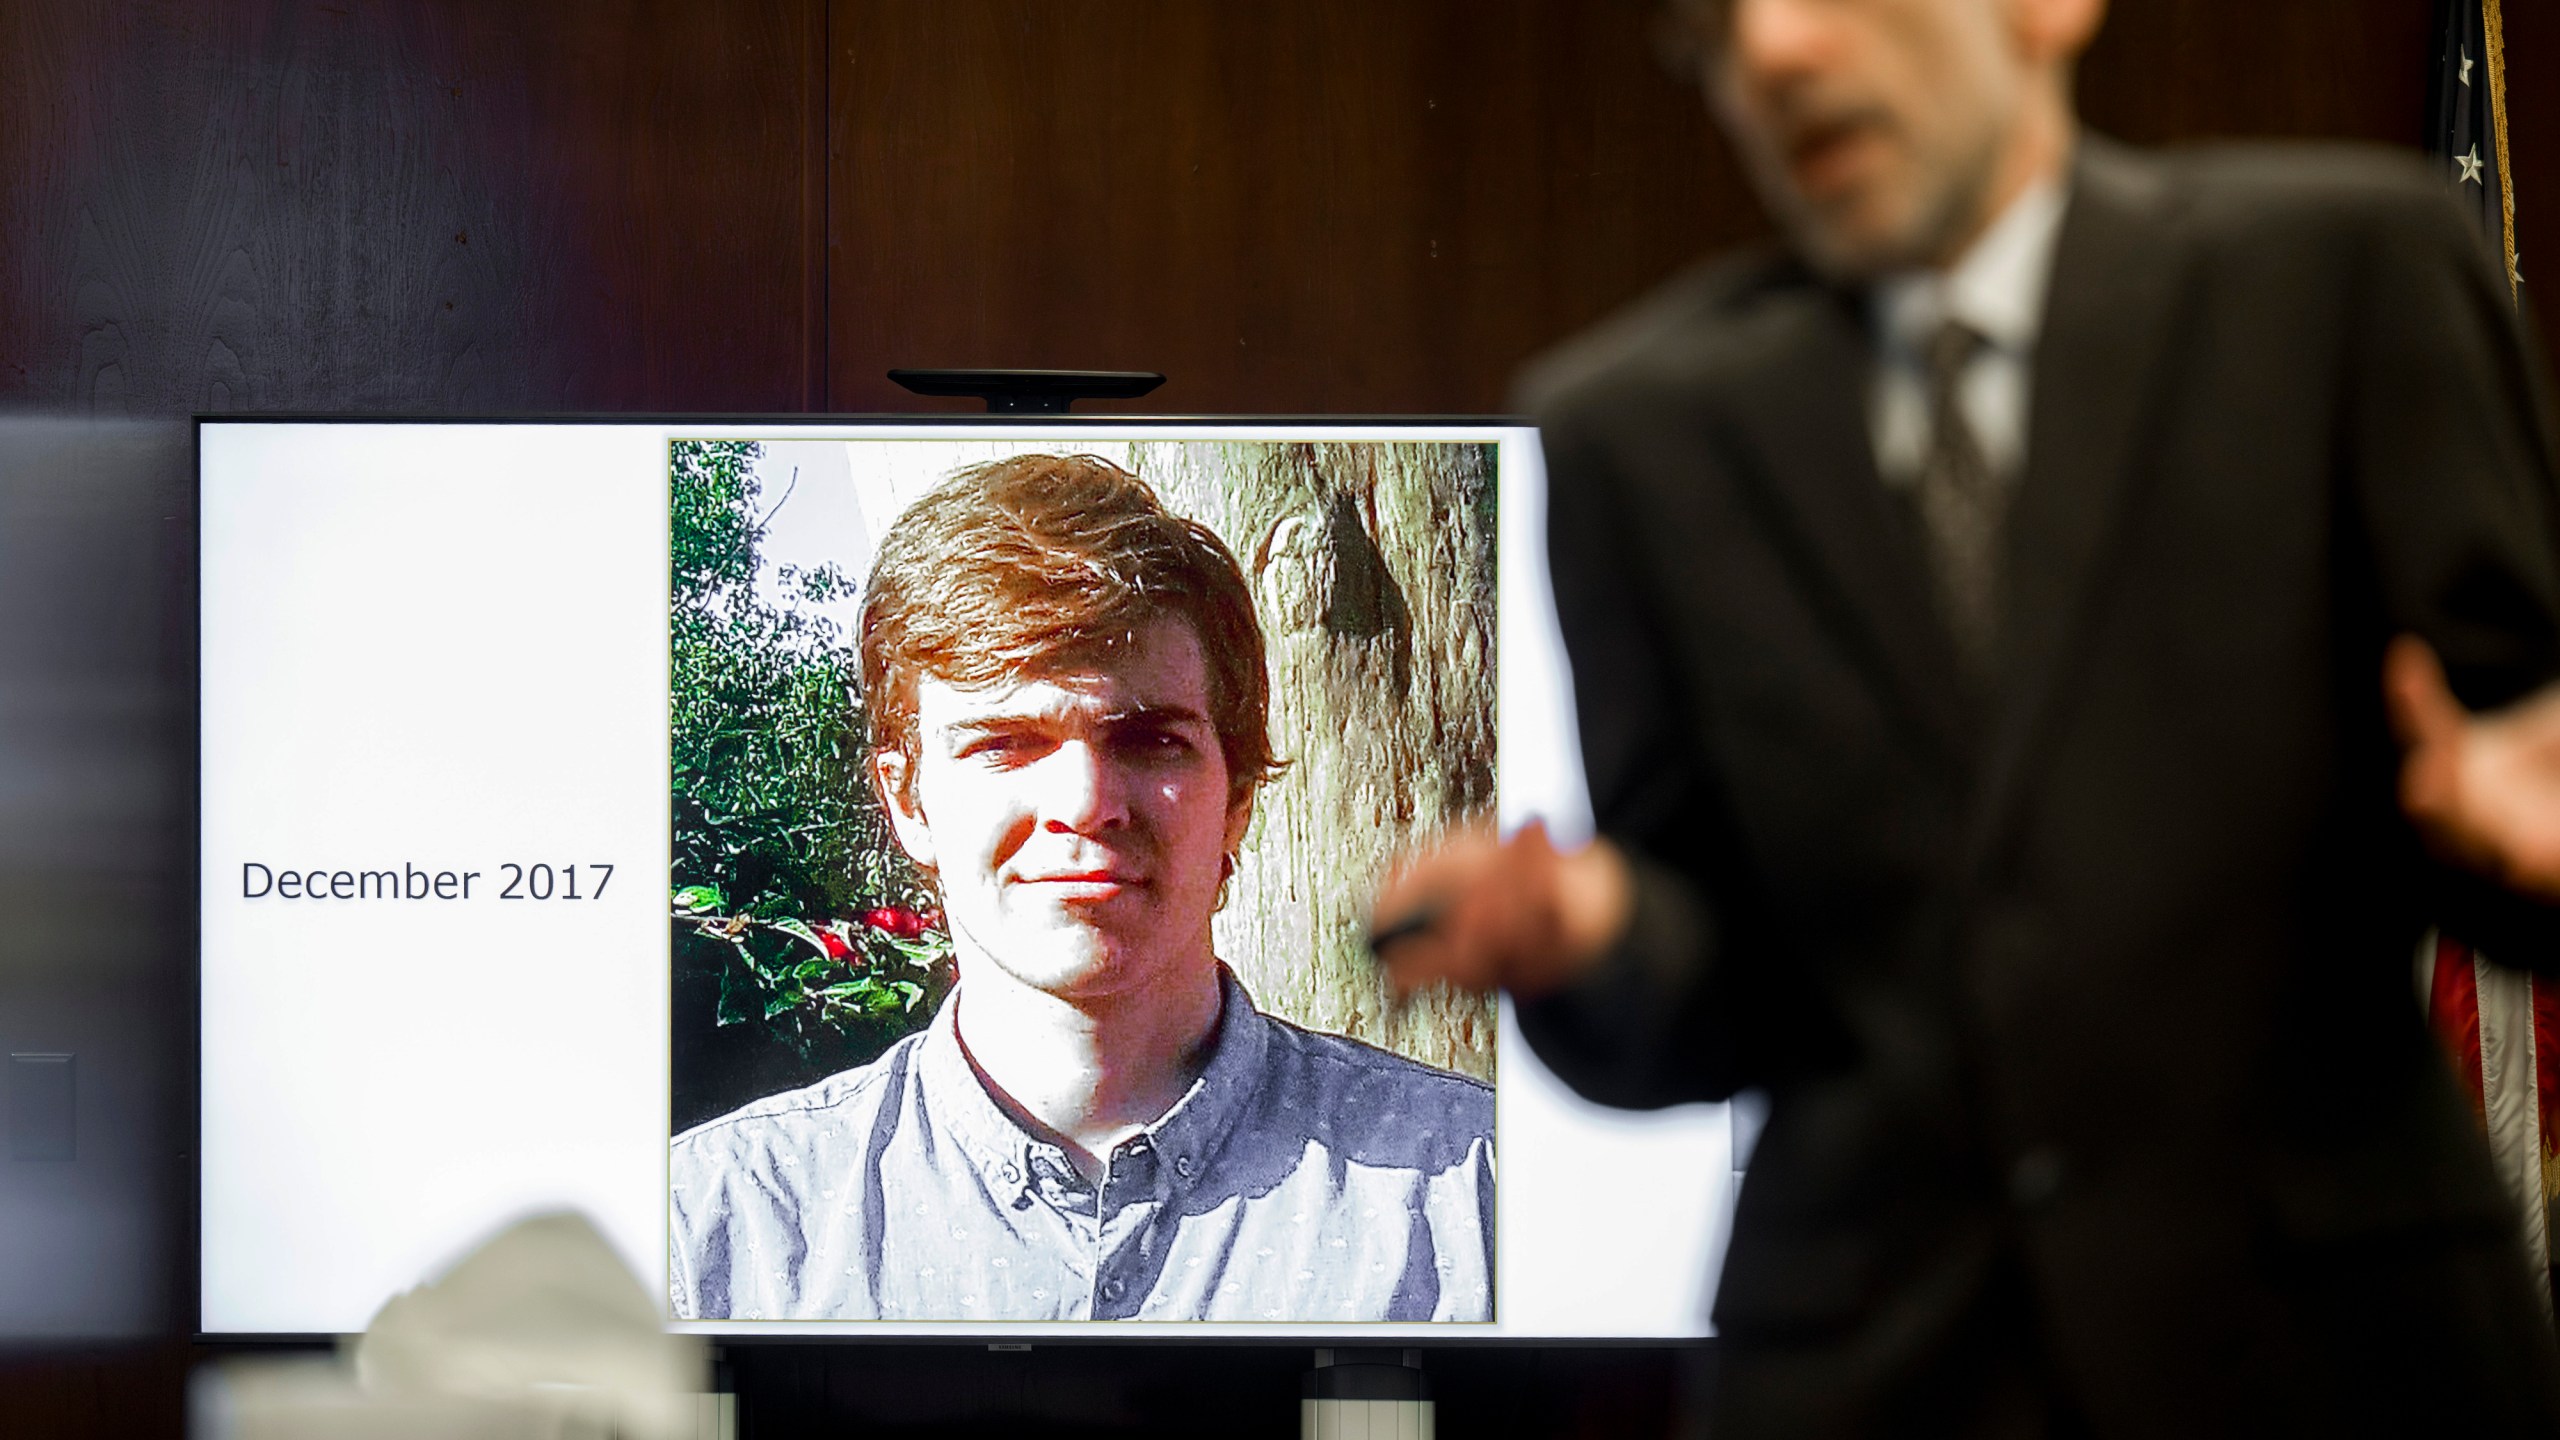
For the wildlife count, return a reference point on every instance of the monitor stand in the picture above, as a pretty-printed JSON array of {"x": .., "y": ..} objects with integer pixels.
[{"x": 1365, "y": 1394}]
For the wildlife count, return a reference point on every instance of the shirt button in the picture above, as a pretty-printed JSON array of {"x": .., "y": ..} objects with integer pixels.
[
  {"x": 1113, "y": 1289},
  {"x": 1012, "y": 1173},
  {"x": 1182, "y": 1166},
  {"x": 2035, "y": 1178}
]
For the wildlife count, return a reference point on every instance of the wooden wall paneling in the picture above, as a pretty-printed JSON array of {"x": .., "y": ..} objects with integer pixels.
[
  {"x": 2170, "y": 70},
  {"x": 291, "y": 204},
  {"x": 2533, "y": 146},
  {"x": 682, "y": 149},
  {"x": 1330, "y": 206},
  {"x": 122, "y": 1392},
  {"x": 2165, "y": 71}
]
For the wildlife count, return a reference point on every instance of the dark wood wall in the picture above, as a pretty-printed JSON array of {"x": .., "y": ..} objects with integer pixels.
[
  {"x": 1333, "y": 205},
  {"x": 454, "y": 206},
  {"x": 300, "y": 204},
  {"x": 763, "y": 204}
]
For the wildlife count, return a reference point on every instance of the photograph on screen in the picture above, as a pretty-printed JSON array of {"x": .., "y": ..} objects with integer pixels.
[{"x": 1027, "y": 801}]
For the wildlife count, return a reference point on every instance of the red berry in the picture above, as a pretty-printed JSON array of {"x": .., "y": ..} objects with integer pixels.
[{"x": 900, "y": 921}]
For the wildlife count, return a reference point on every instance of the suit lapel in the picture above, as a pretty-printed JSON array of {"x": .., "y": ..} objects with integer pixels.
[
  {"x": 1800, "y": 410},
  {"x": 2100, "y": 361}
]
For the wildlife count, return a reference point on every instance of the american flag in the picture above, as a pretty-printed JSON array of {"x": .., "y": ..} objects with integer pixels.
[
  {"x": 2467, "y": 129},
  {"x": 2501, "y": 1027}
]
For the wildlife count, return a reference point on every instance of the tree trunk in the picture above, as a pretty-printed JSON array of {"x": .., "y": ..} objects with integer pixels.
[{"x": 1372, "y": 567}]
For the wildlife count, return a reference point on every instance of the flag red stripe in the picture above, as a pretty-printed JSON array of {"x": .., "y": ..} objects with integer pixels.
[{"x": 2453, "y": 1012}]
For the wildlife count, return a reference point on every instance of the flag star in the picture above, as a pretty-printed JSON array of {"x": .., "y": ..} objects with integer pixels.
[
  {"x": 2466, "y": 64},
  {"x": 2470, "y": 167}
]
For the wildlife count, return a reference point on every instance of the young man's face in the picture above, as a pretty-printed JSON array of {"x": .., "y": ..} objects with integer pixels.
[{"x": 1077, "y": 821}]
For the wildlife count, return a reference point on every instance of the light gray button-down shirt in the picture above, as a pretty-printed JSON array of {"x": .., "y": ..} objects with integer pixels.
[
  {"x": 1304, "y": 1177},
  {"x": 1998, "y": 290}
]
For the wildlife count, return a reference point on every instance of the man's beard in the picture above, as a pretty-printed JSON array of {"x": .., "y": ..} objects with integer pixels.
[{"x": 1950, "y": 215}]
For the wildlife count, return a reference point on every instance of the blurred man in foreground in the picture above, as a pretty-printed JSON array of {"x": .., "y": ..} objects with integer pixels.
[
  {"x": 1069, "y": 720},
  {"x": 1981, "y": 615}
]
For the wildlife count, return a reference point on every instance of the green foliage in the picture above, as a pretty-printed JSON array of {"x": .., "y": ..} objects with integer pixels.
[{"x": 789, "y": 900}]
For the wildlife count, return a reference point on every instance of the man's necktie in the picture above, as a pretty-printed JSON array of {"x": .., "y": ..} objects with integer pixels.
[{"x": 1961, "y": 502}]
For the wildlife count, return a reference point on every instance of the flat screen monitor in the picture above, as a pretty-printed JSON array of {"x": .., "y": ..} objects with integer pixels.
[{"x": 897, "y": 878}]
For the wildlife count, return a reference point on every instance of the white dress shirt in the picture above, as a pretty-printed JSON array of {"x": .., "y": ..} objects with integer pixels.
[{"x": 1998, "y": 288}]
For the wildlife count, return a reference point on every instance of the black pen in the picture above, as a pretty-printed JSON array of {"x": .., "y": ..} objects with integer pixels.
[{"x": 1419, "y": 920}]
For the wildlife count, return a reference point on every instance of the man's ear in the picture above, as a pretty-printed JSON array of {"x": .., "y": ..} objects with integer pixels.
[
  {"x": 1239, "y": 822},
  {"x": 2058, "y": 30},
  {"x": 893, "y": 779}
]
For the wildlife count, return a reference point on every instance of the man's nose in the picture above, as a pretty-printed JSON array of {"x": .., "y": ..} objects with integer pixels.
[
  {"x": 1082, "y": 790},
  {"x": 1773, "y": 44}
]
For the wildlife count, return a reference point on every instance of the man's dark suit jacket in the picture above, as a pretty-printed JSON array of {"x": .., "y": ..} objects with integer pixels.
[{"x": 2084, "y": 1008}]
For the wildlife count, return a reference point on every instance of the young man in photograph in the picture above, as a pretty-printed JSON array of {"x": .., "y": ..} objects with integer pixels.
[{"x": 1069, "y": 720}]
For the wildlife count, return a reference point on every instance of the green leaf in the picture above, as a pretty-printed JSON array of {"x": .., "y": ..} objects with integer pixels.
[
  {"x": 771, "y": 813},
  {"x": 738, "y": 1001},
  {"x": 800, "y": 931},
  {"x": 922, "y": 954},
  {"x": 767, "y": 973}
]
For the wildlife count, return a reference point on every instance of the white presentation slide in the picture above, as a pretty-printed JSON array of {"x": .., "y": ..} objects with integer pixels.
[{"x": 546, "y": 864}]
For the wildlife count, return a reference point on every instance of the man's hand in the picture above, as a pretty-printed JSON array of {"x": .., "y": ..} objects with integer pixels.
[
  {"x": 1481, "y": 912},
  {"x": 2483, "y": 789}
]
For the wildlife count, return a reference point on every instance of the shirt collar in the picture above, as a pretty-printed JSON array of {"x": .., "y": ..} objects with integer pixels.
[
  {"x": 1997, "y": 287},
  {"x": 1183, "y": 1139},
  {"x": 1189, "y": 1134}
]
